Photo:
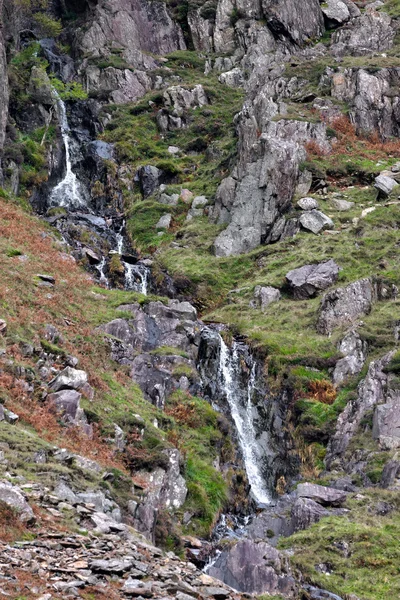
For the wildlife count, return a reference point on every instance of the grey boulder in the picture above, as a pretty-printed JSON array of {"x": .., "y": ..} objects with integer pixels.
[
  {"x": 323, "y": 495},
  {"x": 336, "y": 11},
  {"x": 344, "y": 305},
  {"x": 13, "y": 497},
  {"x": 307, "y": 281},
  {"x": 305, "y": 512},
  {"x": 264, "y": 296},
  {"x": 164, "y": 222},
  {"x": 308, "y": 204},
  {"x": 315, "y": 221},
  {"x": 69, "y": 378},
  {"x": 385, "y": 185}
]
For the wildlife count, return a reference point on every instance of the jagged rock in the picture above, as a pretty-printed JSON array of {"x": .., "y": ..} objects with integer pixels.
[
  {"x": 234, "y": 78},
  {"x": 305, "y": 512},
  {"x": 344, "y": 305},
  {"x": 181, "y": 99},
  {"x": 169, "y": 200},
  {"x": 264, "y": 296},
  {"x": 308, "y": 204},
  {"x": 371, "y": 32},
  {"x": 354, "y": 350},
  {"x": 391, "y": 472},
  {"x": 4, "y": 90},
  {"x": 385, "y": 185},
  {"x": 40, "y": 88},
  {"x": 149, "y": 178},
  {"x": 336, "y": 11},
  {"x": 165, "y": 489},
  {"x": 370, "y": 392},
  {"x": 316, "y": 221},
  {"x": 321, "y": 494},
  {"x": 66, "y": 402},
  {"x": 13, "y": 497},
  {"x": 341, "y": 205},
  {"x": 307, "y": 281},
  {"x": 386, "y": 424},
  {"x": 254, "y": 567},
  {"x": 64, "y": 492},
  {"x": 69, "y": 378},
  {"x": 368, "y": 94},
  {"x": 164, "y": 222},
  {"x": 52, "y": 334},
  {"x": 201, "y": 30}
]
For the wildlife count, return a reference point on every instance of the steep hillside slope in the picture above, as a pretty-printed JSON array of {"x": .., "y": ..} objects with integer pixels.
[{"x": 199, "y": 328}]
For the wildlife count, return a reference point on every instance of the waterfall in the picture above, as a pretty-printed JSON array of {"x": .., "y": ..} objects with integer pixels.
[
  {"x": 68, "y": 192},
  {"x": 100, "y": 269},
  {"x": 136, "y": 276},
  {"x": 242, "y": 413}
]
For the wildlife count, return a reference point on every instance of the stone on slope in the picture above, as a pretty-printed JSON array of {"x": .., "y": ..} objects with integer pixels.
[
  {"x": 315, "y": 221},
  {"x": 336, "y": 11},
  {"x": 164, "y": 222},
  {"x": 264, "y": 296},
  {"x": 305, "y": 512},
  {"x": 305, "y": 282},
  {"x": 344, "y": 305},
  {"x": 354, "y": 350},
  {"x": 386, "y": 423},
  {"x": 66, "y": 403},
  {"x": 385, "y": 185},
  {"x": 308, "y": 204},
  {"x": 69, "y": 378},
  {"x": 323, "y": 495},
  {"x": 342, "y": 205},
  {"x": 13, "y": 497}
]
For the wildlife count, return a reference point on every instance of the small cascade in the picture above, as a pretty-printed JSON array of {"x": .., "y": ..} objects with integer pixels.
[
  {"x": 100, "y": 268},
  {"x": 136, "y": 276},
  {"x": 69, "y": 191},
  {"x": 242, "y": 413}
]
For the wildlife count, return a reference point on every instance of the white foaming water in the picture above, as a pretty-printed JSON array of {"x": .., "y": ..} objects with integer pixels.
[
  {"x": 136, "y": 278},
  {"x": 100, "y": 268},
  {"x": 68, "y": 191},
  {"x": 242, "y": 415}
]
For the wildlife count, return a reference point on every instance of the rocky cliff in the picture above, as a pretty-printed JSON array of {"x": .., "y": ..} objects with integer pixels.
[{"x": 198, "y": 305}]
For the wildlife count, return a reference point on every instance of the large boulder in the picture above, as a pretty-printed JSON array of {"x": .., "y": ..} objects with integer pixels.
[
  {"x": 344, "y": 305},
  {"x": 385, "y": 185},
  {"x": 254, "y": 568},
  {"x": 305, "y": 282},
  {"x": 316, "y": 221},
  {"x": 66, "y": 403},
  {"x": 336, "y": 12},
  {"x": 69, "y": 378},
  {"x": 264, "y": 296},
  {"x": 13, "y": 497},
  {"x": 305, "y": 512},
  {"x": 319, "y": 493}
]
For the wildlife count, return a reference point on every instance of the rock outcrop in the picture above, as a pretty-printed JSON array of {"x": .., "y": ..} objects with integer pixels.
[{"x": 4, "y": 91}]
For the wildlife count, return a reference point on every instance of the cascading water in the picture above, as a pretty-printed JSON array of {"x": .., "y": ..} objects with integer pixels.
[
  {"x": 100, "y": 268},
  {"x": 136, "y": 276},
  {"x": 242, "y": 414},
  {"x": 68, "y": 192}
]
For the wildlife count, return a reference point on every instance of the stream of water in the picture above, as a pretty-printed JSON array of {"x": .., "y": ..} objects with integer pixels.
[
  {"x": 68, "y": 192},
  {"x": 241, "y": 409}
]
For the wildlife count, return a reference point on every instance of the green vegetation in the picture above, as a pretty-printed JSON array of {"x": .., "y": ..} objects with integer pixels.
[{"x": 361, "y": 549}]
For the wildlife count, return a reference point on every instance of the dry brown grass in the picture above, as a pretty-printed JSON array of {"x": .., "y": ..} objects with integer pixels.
[{"x": 323, "y": 391}]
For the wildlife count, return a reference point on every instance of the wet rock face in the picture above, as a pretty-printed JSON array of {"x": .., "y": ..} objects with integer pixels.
[{"x": 254, "y": 567}]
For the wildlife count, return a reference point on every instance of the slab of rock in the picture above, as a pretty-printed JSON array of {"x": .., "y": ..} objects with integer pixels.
[
  {"x": 255, "y": 568},
  {"x": 354, "y": 350},
  {"x": 306, "y": 282},
  {"x": 315, "y": 221},
  {"x": 308, "y": 204},
  {"x": 344, "y": 305},
  {"x": 164, "y": 222},
  {"x": 111, "y": 566},
  {"x": 69, "y": 378},
  {"x": 149, "y": 178},
  {"x": 264, "y": 296},
  {"x": 323, "y": 495},
  {"x": 305, "y": 512},
  {"x": 13, "y": 497},
  {"x": 342, "y": 205},
  {"x": 385, "y": 185}
]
